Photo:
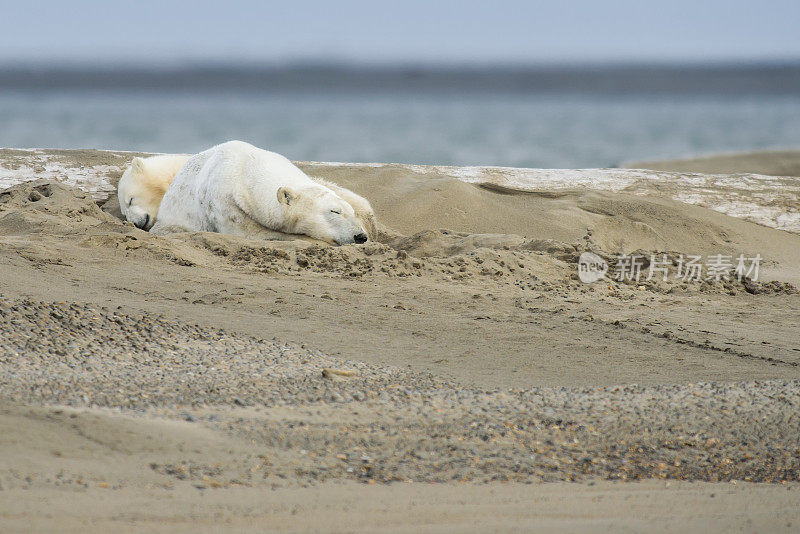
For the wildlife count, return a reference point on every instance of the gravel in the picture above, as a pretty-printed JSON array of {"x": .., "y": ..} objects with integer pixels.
[{"x": 323, "y": 418}]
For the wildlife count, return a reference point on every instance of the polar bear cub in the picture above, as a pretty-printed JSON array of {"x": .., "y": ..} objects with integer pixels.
[
  {"x": 236, "y": 188},
  {"x": 143, "y": 185}
]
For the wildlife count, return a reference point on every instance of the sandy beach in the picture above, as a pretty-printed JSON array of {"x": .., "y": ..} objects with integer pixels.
[{"x": 454, "y": 375}]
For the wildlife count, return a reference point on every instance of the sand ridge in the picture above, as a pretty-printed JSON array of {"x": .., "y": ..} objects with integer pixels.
[{"x": 755, "y": 195}]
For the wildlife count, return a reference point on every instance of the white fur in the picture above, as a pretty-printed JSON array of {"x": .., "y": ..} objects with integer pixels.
[
  {"x": 143, "y": 185},
  {"x": 236, "y": 188},
  {"x": 361, "y": 206}
]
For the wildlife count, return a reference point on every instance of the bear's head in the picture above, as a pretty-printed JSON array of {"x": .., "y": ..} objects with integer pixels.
[
  {"x": 318, "y": 212},
  {"x": 143, "y": 185},
  {"x": 139, "y": 196}
]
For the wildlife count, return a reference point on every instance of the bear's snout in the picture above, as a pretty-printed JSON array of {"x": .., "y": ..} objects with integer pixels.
[
  {"x": 142, "y": 223},
  {"x": 360, "y": 238}
]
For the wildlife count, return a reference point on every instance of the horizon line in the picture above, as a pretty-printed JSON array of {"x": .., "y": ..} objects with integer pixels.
[{"x": 350, "y": 64}]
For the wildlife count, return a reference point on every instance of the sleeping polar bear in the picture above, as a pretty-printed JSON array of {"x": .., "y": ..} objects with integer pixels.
[
  {"x": 146, "y": 180},
  {"x": 143, "y": 185},
  {"x": 236, "y": 188}
]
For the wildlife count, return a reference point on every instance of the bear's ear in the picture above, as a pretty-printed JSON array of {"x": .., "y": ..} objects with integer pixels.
[
  {"x": 137, "y": 165},
  {"x": 286, "y": 196}
]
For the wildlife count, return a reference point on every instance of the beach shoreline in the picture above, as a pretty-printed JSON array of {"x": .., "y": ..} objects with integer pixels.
[
  {"x": 459, "y": 374},
  {"x": 769, "y": 162}
]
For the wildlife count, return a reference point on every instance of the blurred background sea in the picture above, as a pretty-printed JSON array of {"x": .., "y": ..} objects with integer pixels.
[{"x": 571, "y": 117}]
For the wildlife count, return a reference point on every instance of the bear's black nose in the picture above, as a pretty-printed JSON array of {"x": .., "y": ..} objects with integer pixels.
[
  {"x": 360, "y": 238},
  {"x": 142, "y": 225}
]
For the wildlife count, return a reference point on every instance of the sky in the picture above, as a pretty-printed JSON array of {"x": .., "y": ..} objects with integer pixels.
[{"x": 408, "y": 31}]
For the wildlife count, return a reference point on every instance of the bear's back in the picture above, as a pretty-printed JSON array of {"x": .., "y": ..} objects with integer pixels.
[{"x": 254, "y": 164}]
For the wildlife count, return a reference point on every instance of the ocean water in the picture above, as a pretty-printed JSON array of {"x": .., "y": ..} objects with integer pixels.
[{"x": 485, "y": 128}]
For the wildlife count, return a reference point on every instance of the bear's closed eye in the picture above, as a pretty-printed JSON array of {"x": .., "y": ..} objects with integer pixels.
[
  {"x": 338, "y": 212},
  {"x": 130, "y": 202}
]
